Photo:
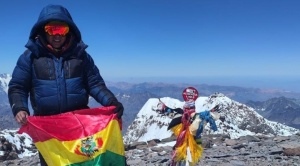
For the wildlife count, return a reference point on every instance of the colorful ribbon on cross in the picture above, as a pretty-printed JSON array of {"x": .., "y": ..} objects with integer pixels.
[{"x": 188, "y": 128}]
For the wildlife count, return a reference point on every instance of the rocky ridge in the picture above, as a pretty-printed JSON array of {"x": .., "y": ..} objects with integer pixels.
[{"x": 219, "y": 150}]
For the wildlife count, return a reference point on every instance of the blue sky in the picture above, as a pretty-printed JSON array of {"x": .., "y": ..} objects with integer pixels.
[{"x": 172, "y": 38}]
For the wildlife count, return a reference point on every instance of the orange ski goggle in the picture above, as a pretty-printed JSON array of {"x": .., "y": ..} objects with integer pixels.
[{"x": 57, "y": 28}]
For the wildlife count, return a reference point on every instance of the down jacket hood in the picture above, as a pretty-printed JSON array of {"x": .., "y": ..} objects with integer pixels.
[{"x": 54, "y": 13}]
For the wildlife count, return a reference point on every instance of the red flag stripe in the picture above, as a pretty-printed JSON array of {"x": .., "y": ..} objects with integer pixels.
[{"x": 69, "y": 126}]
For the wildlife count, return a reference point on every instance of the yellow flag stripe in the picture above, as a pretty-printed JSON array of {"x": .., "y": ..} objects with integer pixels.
[{"x": 64, "y": 153}]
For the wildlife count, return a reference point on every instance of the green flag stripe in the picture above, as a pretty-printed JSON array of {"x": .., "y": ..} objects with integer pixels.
[{"x": 105, "y": 159}]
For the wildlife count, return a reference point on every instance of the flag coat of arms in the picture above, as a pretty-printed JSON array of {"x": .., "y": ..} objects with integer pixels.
[{"x": 88, "y": 137}]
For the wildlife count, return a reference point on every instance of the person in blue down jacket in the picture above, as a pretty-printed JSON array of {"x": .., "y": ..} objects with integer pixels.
[{"x": 56, "y": 71}]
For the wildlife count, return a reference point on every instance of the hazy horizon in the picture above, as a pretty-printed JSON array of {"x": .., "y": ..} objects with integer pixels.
[
  {"x": 288, "y": 83},
  {"x": 285, "y": 83}
]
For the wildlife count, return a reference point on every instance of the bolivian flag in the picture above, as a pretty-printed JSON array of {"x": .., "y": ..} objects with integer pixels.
[{"x": 88, "y": 137}]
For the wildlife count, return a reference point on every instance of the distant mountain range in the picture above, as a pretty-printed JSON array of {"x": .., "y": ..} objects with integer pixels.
[
  {"x": 134, "y": 96},
  {"x": 279, "y": 109},
  {"x": 6, "y": 118},
  {"x": 240, "y": 94}
]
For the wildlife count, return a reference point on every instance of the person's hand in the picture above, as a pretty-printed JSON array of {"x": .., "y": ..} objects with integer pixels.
[
  {"x": 119, "y": 108},
  {"x": 21, "y": 117}
]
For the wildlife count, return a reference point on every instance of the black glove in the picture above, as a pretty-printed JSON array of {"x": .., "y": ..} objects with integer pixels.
[{"x": 119, "y": 108}]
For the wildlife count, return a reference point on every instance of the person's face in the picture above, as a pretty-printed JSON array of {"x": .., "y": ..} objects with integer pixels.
[
  {"x": 56, "y": 32},
  {"x": 56, "y": 41}
]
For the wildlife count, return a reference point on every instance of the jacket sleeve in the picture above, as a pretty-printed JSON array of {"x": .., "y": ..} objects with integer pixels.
[
  {"x": 20, "y": 83},
  {"x": 96, "y": 85}
]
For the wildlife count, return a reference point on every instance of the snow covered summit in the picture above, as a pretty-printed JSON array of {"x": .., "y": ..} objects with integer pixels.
[
  {"x": 239, "y": 120},
  {"x": 4, "y": 80}
]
